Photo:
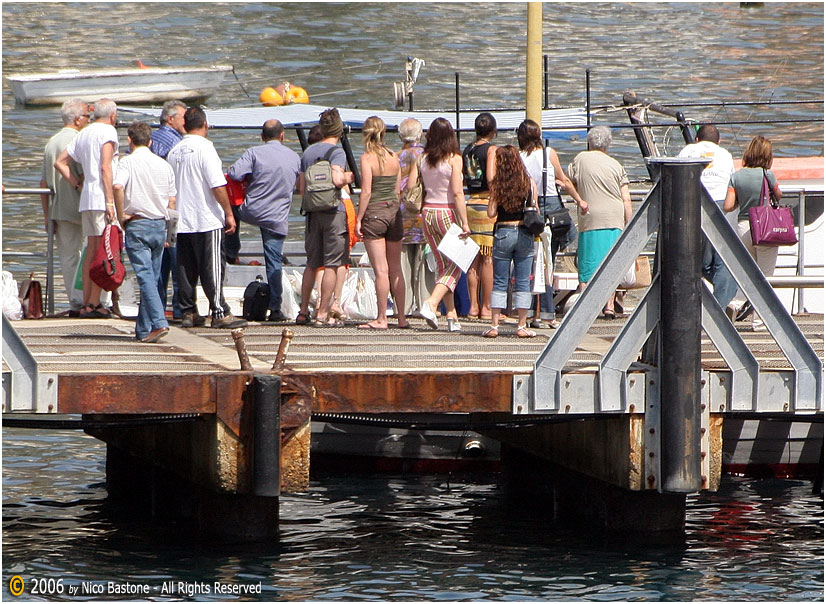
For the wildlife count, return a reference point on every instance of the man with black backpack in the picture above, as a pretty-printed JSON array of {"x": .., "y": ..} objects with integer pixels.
[
  {"x": 271, "y": 171},
  {"x": 323, "y": 174}
]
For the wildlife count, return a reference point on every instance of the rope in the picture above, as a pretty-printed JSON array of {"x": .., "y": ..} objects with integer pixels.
[{"x": 240, "y": 84}]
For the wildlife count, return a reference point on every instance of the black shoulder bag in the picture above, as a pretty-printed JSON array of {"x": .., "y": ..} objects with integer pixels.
[
  {"x": 559, "y": 220},
  {"x": 531, "y": 219}
]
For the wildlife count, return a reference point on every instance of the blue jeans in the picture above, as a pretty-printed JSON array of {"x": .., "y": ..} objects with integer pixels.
[
  {"x": 547, "y": 308},
  {"x": 273, "y": 259},
  {"x": 512, "y": 244},
  {"x": 144, "y": 246},
  {"x": 725, "y": 287},
  {"x": 169, "y": 264}
]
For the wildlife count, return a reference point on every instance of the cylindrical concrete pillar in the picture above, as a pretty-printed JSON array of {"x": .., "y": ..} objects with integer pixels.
[{"x": 681, "y": 244}]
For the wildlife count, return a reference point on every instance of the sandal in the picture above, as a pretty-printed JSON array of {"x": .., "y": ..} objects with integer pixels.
[
  {"x": 491, "y": 332},
  {"x": 608, "y": 314},
  {"x": 97, "y": 312},
  {"x": 522, "y": 331},
  {"x": 303, "y": 318}
]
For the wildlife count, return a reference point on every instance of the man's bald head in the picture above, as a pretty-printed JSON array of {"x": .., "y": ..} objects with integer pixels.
[{"x": 272, "y": 130}]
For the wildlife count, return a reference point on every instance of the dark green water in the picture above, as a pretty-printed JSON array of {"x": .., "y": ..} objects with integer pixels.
[{"x": 436, "y": 538}]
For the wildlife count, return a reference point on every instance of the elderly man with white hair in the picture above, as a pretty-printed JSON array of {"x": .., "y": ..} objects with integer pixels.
[
  {"x": 64, "y": 209},
  {"x": 603, "y": 184},
  {"x": 95, "y": 148}
]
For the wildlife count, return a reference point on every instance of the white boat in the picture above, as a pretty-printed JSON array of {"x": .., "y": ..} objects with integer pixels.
[{"x": 134, "y": 85}]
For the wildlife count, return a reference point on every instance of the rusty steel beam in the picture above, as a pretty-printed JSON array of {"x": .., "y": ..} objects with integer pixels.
[
  {"x": 460, "y": 392},
  {"x": 154, "y": 393}
]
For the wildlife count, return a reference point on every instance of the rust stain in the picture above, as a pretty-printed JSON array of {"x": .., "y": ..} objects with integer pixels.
[
  {"x": 130, "y": 393},
  {"x": 404, "y": 392}
]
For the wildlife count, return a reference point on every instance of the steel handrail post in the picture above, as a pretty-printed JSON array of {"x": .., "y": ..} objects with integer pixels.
[{"x": 680, "y": 250}]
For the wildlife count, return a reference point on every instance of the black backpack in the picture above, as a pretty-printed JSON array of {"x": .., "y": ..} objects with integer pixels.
[{"x": 256, "y": 300}]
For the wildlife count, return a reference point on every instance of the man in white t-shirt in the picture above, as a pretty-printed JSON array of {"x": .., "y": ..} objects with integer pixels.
[
  {"x": 205, "y": 215},
  {"x": 715, "y": 179},
  {"x": 95, "y": 148},
  {"x": 144, "y": 189}
]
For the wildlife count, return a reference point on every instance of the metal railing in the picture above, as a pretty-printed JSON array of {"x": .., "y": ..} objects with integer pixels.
[{"x": 49, "y": 243}]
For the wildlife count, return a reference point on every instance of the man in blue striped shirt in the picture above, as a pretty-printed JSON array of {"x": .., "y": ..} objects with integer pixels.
[{"x": 164, "y": 138}]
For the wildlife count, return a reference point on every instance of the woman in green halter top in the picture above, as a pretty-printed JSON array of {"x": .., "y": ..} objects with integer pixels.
[{"x": 379, "y": 221}]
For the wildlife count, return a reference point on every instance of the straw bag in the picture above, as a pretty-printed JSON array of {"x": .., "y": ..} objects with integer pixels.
[{"x": 414, "y": 198}]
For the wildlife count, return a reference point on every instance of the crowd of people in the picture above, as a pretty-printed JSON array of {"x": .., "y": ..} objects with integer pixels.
[{"x": 485, "y": 190}]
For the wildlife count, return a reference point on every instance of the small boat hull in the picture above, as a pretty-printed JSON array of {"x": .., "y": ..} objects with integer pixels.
[{"x": 149, "y": 85}]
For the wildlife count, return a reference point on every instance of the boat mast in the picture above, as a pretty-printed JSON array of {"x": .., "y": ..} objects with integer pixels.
[{"x": 533, "y": 64}]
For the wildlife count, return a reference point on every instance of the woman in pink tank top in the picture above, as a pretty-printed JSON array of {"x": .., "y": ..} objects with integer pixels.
[{"x": 444, "y": 204}]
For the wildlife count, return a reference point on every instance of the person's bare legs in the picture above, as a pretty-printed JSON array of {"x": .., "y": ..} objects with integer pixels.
[
  {"x": 326, "y": 293},
  {"x": 473, "y": 282},
  {"x": 307, "y": 285},
  {"x": 377, "y": 252},
  {"x": 485, "y": 284},
  {"x": 335, "y": 308},
  {"x": 396, "y": 279}
]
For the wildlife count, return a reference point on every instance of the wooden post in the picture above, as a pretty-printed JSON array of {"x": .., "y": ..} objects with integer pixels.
[{"x": 533, "y": 64}]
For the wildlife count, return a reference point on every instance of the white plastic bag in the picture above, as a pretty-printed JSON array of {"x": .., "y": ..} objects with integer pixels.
[
  {"x": 358, "y": 296},
  {"x": 12, "y": 308},
  {"x": 629, "y": 281},
  {"x": 539, "y": 268},
  {"x": 290, "y": 294}
]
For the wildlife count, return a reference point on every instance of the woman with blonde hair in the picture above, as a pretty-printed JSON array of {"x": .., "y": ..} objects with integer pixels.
[
  {"x": 379, "y": 220},
  {"x": 444, "y": 205},
  {"x": 510, "y": 189},
  {"x": 744, "y": 192}
]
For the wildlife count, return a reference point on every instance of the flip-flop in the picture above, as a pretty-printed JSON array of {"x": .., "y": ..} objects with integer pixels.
[
  {"x": 608, "y": 314},
  {"x": 370, "y": 326},
  {"x": 491, "y": 332}
]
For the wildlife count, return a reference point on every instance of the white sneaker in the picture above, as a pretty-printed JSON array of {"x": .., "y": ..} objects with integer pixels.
[
  {"x": 453, "y": 325},
  {"x": 429, "y": 316},
  {"x": 758, "y": 325}
]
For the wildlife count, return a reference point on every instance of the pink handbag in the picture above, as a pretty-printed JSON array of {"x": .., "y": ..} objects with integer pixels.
[{"x": 770, "y": 223}]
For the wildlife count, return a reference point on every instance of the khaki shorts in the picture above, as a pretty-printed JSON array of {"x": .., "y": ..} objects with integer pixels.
[
  {"x": 326, "y": 239},
  {"x": 94, "y": 223},
  {"x": 383, "y": 221}
]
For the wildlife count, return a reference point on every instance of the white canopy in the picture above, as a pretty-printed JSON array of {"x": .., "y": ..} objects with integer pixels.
[{"x": 563, "y": 121}]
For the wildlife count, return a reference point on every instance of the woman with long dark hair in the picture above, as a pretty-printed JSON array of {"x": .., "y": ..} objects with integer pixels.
[
  {"x": 444, "y": 205},
  {"x": 538, "y": 159},
  {"x": 510, "y": 188}
]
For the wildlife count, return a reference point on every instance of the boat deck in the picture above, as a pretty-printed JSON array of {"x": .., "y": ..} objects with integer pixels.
[{"x": 417, "y": 369}]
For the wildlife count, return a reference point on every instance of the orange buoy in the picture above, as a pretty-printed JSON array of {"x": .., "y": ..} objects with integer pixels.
[
  {"x": 296, "y": 94},
  {"x": 270, "y": 98}
]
